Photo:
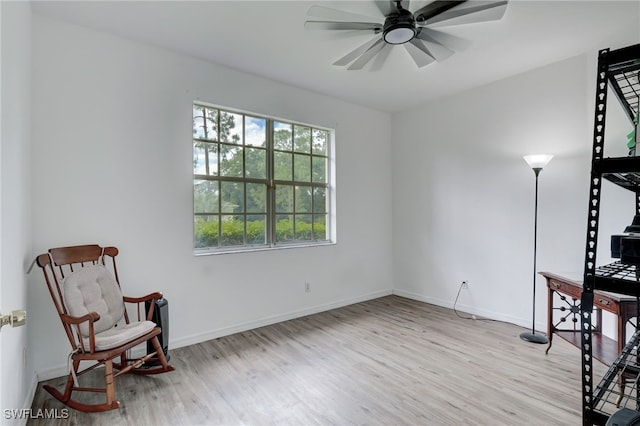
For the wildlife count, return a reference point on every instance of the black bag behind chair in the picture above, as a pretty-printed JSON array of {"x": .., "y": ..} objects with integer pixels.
[{"x": 161, "y": 318}]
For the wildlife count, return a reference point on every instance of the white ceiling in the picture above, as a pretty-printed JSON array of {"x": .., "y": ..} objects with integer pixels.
[{"x": 267, "y": 38}]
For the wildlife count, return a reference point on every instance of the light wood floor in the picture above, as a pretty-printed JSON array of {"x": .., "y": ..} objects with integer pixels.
[{"x": 389, "y": 361}]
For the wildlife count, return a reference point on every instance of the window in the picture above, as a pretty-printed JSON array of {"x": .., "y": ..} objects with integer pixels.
[{"x": 258, "y": 182}]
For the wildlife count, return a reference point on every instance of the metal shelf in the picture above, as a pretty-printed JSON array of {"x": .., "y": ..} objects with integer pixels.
[
  {"x": 619, "y": 387},
  {"x": 617, "y": 70},
  {"x": 626, "y": 180},
  {"x": 623, "y": 67}
]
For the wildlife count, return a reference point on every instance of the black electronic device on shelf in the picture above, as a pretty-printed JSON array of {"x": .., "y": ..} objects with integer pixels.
[
  {"x": 626, "y": 247},
  {"x": 634, "y": 228}
]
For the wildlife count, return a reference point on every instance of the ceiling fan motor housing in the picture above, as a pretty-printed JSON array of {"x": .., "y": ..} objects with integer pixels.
[{"x": 399, "y": 27}]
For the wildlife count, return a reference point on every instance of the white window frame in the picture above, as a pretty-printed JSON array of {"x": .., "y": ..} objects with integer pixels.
[{"x": 269, "y": 180}]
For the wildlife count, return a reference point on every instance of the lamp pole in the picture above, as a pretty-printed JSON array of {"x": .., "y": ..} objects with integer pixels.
[{"x": 537, "y": 163}]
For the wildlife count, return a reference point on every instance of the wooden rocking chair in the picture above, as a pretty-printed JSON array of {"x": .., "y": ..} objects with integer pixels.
[{"x": 86, "y": 293}]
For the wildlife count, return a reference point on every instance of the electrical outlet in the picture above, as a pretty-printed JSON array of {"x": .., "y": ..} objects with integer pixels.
[
  {"x": 465, "y": 285},
  {"x": 307, "y": 287}
]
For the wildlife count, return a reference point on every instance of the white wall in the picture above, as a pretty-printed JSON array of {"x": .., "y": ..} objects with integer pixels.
[
  {"x": 112, "y": 164},
  {"x": 17, "y": 381},
  {"x": 464, "y": 198}
]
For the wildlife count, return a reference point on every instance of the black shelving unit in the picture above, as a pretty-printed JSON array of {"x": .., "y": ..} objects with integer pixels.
[{"x": 617, "y": 70}]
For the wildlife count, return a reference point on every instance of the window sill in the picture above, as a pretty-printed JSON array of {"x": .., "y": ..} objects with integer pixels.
[{"x": 235, "y": 250}]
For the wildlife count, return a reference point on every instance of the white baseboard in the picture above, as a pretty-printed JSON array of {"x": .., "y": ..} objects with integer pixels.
[
  {"x": 52, "y": 372},
  {"x": 61, "y": 370},
  {"x": 498, "y": 316},
  {"x": 250, "y": 325}
]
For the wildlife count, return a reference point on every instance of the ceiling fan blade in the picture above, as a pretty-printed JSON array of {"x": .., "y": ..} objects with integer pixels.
[
  {"x": 368, "y": 55},
  {"x": 469, "y": 13},
  {"x": 330, "y": 25},
  {"x": 381, "y": 57},
  {"x": 355, "y": 53},
  {"x": 386, "y": 6},
  {"x": 327, "y": 13},
  {"x": 434, "y": 8},
  {"x": 451, "y": 41},
  {"x": 418, "y": 53},
  {"x": 432, "y": 46}
]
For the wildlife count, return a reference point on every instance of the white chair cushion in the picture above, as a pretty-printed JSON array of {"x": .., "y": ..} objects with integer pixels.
[
  {"x": 120, "y": 335},
  {"x": 93, "y": 289}
]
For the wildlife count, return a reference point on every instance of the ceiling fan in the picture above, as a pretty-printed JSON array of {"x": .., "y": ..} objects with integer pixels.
[{"x": 400, "y": 26}]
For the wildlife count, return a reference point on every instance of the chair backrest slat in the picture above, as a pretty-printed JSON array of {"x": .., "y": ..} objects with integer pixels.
[{"x": 75, "y": 254}]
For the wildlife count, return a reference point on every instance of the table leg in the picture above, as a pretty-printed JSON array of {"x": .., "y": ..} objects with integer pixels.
[{"x": 550, "y": 327}]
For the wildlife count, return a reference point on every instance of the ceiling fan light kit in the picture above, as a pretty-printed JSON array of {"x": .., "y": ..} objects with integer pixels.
[
  {"x": 399, "y": 27},
  {"x": 402, "y": 27}
]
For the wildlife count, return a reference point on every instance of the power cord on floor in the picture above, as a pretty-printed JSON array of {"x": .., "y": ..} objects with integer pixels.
[{"x": 472, "y": 317}]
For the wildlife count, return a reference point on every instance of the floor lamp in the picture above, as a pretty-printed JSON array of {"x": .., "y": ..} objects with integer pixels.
[{"x": 537, "y": 163}]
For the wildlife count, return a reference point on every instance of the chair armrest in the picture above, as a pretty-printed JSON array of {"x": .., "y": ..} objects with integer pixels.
[
  {"x": 151, "y": 296},
  {"x": 91, "y": 317}
]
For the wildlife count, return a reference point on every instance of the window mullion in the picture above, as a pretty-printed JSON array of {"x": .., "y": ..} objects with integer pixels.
[
  {"x": 271, "y": 189},
  {"x": 244, "y": 183},
  {"x": 219, "y": 185}
]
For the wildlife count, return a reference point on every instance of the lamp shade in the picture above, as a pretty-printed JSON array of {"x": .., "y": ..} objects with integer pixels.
[{"x": 538, "y": 161}]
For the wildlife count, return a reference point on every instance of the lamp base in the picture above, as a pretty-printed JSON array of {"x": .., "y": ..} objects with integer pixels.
[{"x": 534, "y": 338}]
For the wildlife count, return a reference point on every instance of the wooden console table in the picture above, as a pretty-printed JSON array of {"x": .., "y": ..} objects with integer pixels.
[{"x": 605, "y": 349}]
